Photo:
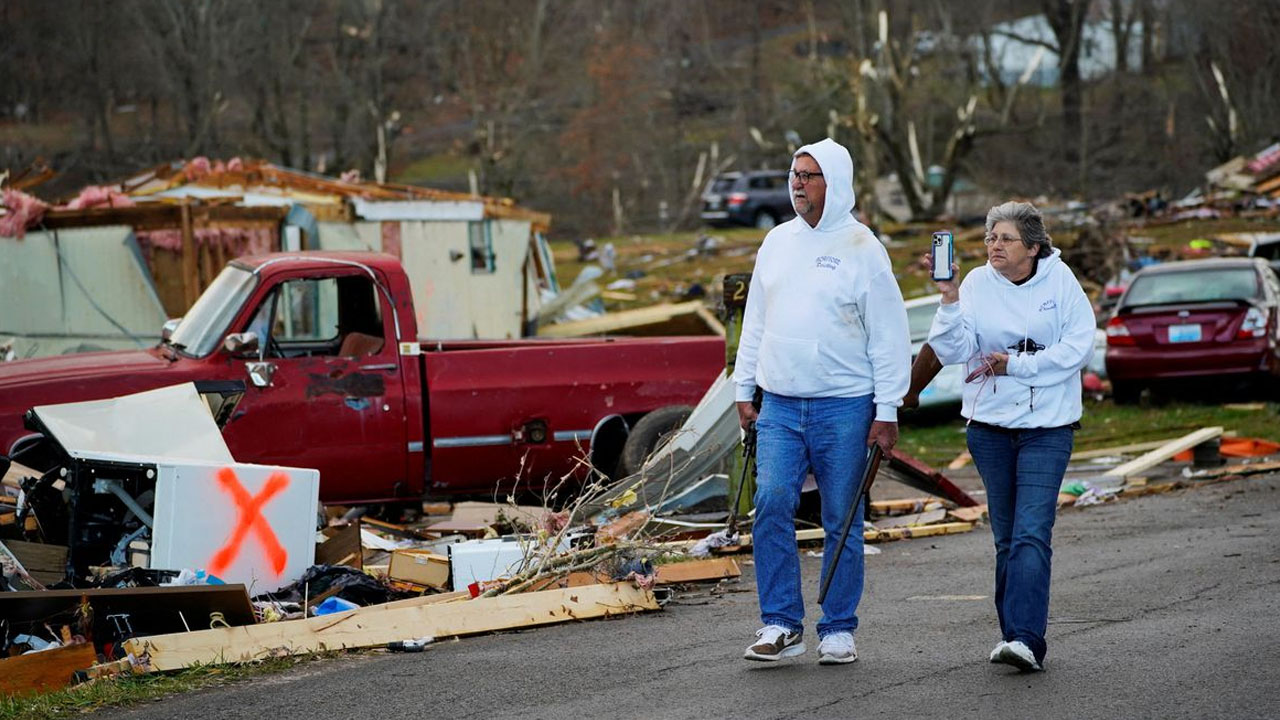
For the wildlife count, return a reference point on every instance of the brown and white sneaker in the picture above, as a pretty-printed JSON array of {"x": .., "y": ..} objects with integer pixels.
[{"x": 775, "y": 643}]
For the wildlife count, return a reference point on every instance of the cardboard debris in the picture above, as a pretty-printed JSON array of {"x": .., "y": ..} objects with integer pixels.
[
  {"x": 419, "y": 567},
  {"x": 343, "y": 546}
]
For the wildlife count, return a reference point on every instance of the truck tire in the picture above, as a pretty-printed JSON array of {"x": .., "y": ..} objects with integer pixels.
[
  {"x": 648, "y": 433},
  {"x": 1125, "y": 393},
  {"x": 765, "y": 220}
]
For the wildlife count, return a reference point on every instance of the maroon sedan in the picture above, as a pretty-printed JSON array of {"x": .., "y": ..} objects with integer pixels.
[{"x": 1213, "y": 318}]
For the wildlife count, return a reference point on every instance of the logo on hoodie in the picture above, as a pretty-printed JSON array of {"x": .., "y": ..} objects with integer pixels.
[
  {"x": 1027, "y": 345},
  {"x": 828, "y": 262},
  {"x": 1048, "y": 305}
]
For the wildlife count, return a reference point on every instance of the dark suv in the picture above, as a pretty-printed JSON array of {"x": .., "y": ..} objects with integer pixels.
[{"x": 759, "y": 198}]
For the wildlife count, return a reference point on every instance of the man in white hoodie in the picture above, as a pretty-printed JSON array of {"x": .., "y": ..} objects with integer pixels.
[{"x": 825, "y": 338}]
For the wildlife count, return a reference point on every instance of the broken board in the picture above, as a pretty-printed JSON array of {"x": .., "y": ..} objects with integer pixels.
[
  {"x": 373, "y": 626},
  {"x": 46, "y": 563},
  {"x": 1164, "y": 452},
  {"x": 44, "y": 671},
  {"x": 698, "y": 571}
]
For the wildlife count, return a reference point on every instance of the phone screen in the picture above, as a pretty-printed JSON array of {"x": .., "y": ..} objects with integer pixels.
[{"x": 943, "y": 249}]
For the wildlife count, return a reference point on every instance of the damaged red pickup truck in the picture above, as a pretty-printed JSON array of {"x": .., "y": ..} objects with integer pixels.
[{"x": 313, "y": 360}]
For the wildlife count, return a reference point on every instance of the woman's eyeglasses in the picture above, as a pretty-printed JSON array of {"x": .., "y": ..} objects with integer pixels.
[{"x": 1000, "y": 239}]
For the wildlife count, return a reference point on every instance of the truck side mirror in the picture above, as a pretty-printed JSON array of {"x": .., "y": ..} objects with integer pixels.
[
  {"x": 244, "y": 344},
  {"x": 166, "y": 330}
]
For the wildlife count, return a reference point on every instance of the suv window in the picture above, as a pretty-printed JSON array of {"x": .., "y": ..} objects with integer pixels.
[
  {"x": 767, "y": 182},
  {"x": 723, "y": 184}
]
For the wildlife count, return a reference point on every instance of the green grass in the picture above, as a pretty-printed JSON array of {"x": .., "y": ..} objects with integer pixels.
[
  {"x": 1104, "y": 425},
  {"x": 134, "y": 689},
  {"x": 433, "y": 169}
]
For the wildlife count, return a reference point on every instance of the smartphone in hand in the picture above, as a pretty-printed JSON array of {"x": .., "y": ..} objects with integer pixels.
[{"x": 943, "y": 252}]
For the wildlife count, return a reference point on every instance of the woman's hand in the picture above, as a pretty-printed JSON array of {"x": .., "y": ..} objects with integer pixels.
[{"x": 949, "y": 289}]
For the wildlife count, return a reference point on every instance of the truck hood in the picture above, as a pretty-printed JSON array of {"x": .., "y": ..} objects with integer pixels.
[{"x": 14, "y": 376}]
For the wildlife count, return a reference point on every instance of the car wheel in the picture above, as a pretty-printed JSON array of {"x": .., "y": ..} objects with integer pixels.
[
  {"x": 649, "y": 432},
  {"x": 765, "y": 220},
  {"x": 1125, "y": 393}
]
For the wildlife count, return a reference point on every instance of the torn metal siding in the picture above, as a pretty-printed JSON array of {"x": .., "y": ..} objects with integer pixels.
[{"x": 77, "y": 288}]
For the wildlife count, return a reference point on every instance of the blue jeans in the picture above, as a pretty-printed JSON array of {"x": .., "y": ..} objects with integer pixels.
[
  {"x": 1022, "y": 471},
  {"x": 828, "y": 435}
]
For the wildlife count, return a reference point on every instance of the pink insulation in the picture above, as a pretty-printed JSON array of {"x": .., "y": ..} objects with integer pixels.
[{"x": 24, "y": 211}]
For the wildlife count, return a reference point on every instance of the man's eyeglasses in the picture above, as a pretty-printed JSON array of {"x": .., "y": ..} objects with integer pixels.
[
  {"x": 1000, "y": 239},
  {"x": 804, "y": 175}
]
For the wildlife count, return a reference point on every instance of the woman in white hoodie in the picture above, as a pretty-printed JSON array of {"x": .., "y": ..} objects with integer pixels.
[{"x": 1024, "y": 328}]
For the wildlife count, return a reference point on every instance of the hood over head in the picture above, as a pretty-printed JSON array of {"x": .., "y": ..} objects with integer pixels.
[{"x": 837, "y": 170}]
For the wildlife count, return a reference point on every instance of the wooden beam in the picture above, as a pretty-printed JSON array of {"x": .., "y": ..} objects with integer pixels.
[
  {"x": 1117, "y": 450},
  {"x": 1164, "y": 452},
  {"x": 1245, "y": 469},
  {"x": 698, "y": 570},
  {"x": 16, "y": 472},
  {"x": 44, "y": 671},
  {"x": 913, "y": 519},
  {"x": 916, "y": 532},
  {"x": 374, "y": 626}
]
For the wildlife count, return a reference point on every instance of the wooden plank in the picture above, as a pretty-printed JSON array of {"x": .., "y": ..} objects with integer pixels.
[
  {"x": 369, "y": 627},
  {"x": 916, "y": 532},
  {"x": 46, "y": 563},
  {"x": 1164, "y": 452},
  {"x": 913, "y": 519},
  {"x": 342, "y": 548},
  {"x": 904, "y": 506},
  {"x": 44, "y": 671},
  {"x": 970, "y": 514},
  {"x": 16, "y": 472},
  {"x": 698, "y": 570},
  {"x": 1244, "y": 469},
  {"x": 964, "y": 458},
  {"x": 448, "y": 597},
  {"x": 190, "y": 259},
  {"x": 1118, "y": 450},
  {"x": 393, "y": 529}
]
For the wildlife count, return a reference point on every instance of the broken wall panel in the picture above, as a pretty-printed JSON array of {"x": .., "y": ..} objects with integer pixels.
[{"x": 78, "y": 288}]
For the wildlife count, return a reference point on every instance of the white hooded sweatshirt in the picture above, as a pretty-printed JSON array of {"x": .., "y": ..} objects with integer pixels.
[
  {"x": 824, "y": 314},
  {"x": 1045, "y": 325}
]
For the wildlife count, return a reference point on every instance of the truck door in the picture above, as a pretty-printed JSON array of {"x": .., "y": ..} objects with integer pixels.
[{"x": 326, "y": 390}]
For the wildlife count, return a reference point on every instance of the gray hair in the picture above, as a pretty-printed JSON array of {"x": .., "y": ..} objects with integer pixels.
[{"x": 1028, "y": 220}]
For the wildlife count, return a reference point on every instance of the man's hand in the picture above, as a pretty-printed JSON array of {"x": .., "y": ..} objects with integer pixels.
[
  {"x": 884, "y": 434},
  {"x": 923, "y": 371},
  {"x": 747, "y": 414}
]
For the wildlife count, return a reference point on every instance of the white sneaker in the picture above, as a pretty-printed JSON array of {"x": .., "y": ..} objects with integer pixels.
[
  {"x": 837, "y": 649},
  {"x": 1017, "y": 654},
  {"x": 995, "y": 654},
  {"x": 775, "y": 643}
]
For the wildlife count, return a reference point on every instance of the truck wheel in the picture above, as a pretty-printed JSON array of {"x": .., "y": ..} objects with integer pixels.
[
  {"x": 765, "y": 220},
  {"x": 648, "y": 433},
  {"x": 1125, "y": 393}
]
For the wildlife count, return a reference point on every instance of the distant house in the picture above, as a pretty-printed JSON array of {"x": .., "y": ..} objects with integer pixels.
[
  {"x": 1011, "y": 56},
  {"x": 966, "y": 199}
]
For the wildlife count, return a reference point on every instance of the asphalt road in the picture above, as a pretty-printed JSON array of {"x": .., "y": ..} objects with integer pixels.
[{"x": 1166, "y": 606}]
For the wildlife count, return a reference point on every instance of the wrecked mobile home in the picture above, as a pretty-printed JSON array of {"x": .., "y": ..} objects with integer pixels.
[{"x": 104, "y": 270}]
